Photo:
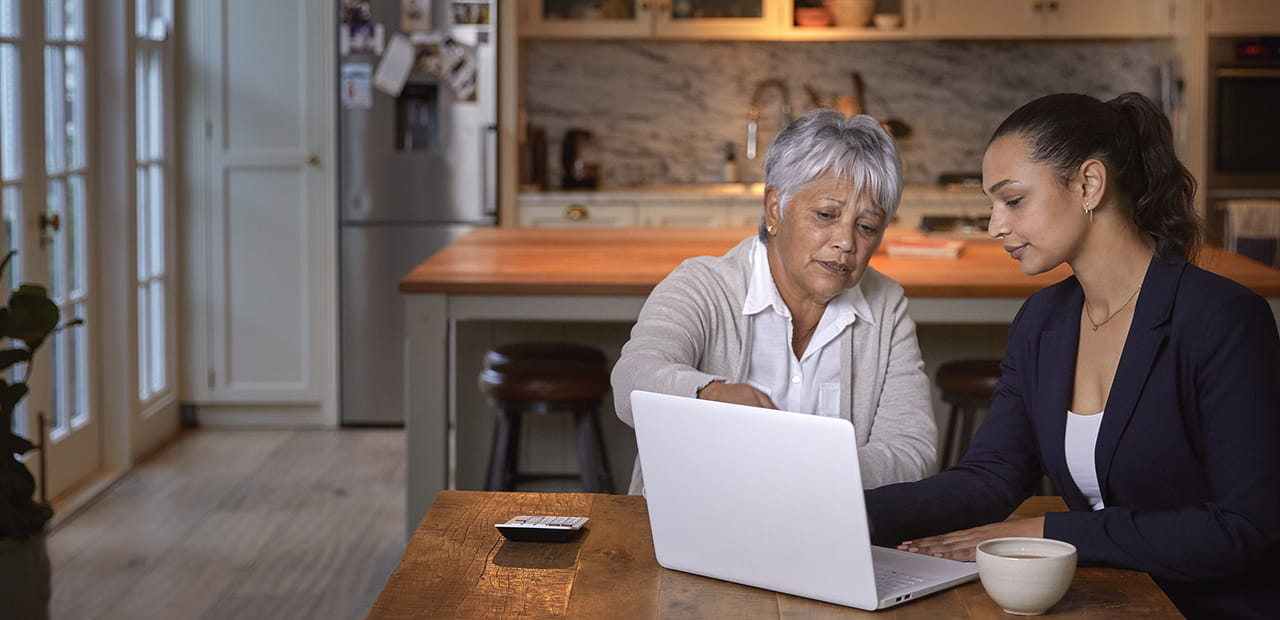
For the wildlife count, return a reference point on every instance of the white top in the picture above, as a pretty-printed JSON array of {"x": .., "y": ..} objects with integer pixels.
[
  {"x": 810, "y": 384},
  {"x": 1081, "y": 440}
]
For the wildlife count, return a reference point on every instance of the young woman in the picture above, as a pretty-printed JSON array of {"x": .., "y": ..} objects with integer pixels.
[{"x": 1146, "y": 388}]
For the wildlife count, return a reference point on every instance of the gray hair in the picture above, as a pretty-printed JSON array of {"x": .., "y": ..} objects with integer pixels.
[{"x": 824, "y": 139}]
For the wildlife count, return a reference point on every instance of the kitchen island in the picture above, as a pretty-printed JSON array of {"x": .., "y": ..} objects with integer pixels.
[{"x": 604, "y": 275}]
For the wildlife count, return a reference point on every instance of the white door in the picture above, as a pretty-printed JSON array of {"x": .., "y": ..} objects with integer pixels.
[
  {"x": 265, "y": 299},
  {"x": 48, "y": 210}
]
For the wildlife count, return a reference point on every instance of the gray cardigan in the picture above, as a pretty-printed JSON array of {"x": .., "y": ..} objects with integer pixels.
[{"x": 691, "y": 332}]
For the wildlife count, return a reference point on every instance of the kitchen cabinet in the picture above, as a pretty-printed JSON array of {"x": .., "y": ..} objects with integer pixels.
[
  {"x": 259, "y": 228},
  {"x": 687, "y": 215},
  {"x": 675, "y": 19},
  {"x": 1019, "y": 19},
  {"x": 579, "y": 214},
  {"x": 1236, "y": 17}
]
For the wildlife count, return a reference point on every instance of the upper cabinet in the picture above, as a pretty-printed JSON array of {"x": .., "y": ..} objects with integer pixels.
[
  {"x": 1231, "y": 17},
  {"x": 1012, "y": 19},
  {"x": 614, "y": 19}
]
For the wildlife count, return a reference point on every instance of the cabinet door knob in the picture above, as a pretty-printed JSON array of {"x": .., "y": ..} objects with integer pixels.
[
  {"x": 576, "y": 213},
  {"x": 313, "y": 161},
  {"x": 1053, "y": 6}
]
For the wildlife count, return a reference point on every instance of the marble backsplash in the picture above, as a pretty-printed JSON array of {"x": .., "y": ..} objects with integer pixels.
[{"x": 661, "y": 112}]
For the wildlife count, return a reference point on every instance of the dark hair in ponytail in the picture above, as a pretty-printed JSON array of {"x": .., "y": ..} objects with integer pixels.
[{"x": 1132, "y": 138}]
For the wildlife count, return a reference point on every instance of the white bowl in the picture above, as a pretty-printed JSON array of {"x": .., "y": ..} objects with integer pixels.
[
  {"x": 887, "y": 21},
  {"x": 851, "y": 13},
  {"x": 1026, "y": 576}
]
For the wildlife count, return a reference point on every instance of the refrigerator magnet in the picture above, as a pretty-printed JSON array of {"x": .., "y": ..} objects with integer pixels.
[
  {"x": 394, "y": 67},
  {"x": 415, "y": 15},
  {"x": 357, "y": 87}
]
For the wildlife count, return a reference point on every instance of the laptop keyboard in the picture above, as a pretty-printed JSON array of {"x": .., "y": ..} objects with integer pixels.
[{"x": 888, "y": 580}]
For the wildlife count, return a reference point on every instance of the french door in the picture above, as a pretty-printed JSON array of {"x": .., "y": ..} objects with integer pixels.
[{"x": 46, "y": 173}]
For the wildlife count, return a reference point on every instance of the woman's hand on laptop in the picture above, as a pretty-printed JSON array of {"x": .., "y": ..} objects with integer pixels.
[
  {"x": 962, "y": 544},
  {"x": 737, "y": 393}
]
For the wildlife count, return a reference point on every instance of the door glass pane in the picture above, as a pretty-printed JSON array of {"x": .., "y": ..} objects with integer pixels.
[
  {"x": 12, "y": 198},
  {"x": 10, "y": 134},
  {"x": 77, "y": 377},
  {"x": 53, "y": 20},
  {"x": 75, "y": 231},
  {"x": 56, "y": 205},
  {"x": 155, "y": 223},
  {"x": 8, "y": 18},
  {"x": 141, "y": 101},
  {"x": 73, "y": 22},
  {"x": 155, "y": 352},
  {"x": 143, "y": 212},
  {"x": 155, "y": 106},
  {"x": 75, "y": 93},
  {"x": 55, "y": 110},
  {"x": 56, "y": 348},
  {"x": 707, "y": 9},
  {"x": 144, "y": 343}
]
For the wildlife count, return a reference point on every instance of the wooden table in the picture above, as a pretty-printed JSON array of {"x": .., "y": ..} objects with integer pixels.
[
  {"x": 604, "y": 275},
  {"x": 458, "y": 566}
]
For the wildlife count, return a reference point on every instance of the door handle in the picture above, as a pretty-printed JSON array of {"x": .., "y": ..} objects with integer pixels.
[{"x": 48, "y": 222}]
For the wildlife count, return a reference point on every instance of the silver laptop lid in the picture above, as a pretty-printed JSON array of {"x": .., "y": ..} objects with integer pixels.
[{"x": 756, "y": 496}]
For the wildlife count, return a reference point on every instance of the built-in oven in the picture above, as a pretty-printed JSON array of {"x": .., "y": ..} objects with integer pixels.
[{"x": 1244, "y": 132}]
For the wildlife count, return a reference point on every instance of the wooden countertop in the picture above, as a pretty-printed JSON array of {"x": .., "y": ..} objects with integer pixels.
[
  {"x": 631, "y": 261},
  {"x": 457, "y": 566}
]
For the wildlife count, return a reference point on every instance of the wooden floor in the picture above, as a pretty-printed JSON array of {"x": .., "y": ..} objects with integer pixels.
[{"x": 239, "y": 524}]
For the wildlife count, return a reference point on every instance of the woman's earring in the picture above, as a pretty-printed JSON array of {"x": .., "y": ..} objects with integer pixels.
[
  {"x": 769, "y": 228},
  {"x": 1089, "y": 211}
]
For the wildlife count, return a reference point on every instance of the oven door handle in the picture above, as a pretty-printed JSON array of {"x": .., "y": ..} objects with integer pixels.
[{"x": 1248, "y": 72}]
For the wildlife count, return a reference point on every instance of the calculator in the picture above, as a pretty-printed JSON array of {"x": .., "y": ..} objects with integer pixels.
[{"x": 541, "y": 528}]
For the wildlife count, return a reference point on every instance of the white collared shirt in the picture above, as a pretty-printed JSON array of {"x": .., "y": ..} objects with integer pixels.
[
  {"x": 1080, "y": 444},
  {"x": 810, "y": 384}
]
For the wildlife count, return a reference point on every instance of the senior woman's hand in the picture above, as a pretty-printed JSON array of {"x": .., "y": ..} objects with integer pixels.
[{"x": 738, "y": 393}]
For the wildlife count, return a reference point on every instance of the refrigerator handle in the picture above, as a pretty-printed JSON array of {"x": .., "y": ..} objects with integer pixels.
[{"x": 489, "y": 167}]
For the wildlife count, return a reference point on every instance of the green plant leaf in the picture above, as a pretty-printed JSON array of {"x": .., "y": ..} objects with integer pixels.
[
  {"x": 15, "y": 444},
  {"x": 32, "y": 315},
  {"x": 9, "y": 357},
  {"x": 11, "y": 394}
]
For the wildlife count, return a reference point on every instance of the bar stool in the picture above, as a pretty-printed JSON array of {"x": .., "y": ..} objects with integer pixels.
[
  {"x": 967, "y": 385},
  {"x": 541, "y": 378}
]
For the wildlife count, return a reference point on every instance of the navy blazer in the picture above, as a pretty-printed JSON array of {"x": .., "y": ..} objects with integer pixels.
[{"x": 1188, "y": 454}]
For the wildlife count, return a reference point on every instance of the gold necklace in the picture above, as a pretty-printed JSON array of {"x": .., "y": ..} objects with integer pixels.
[{"x": 1095, "y": 324}]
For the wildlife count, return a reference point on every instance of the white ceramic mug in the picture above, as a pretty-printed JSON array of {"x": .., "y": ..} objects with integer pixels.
[{"x": 1026, "y": 576}]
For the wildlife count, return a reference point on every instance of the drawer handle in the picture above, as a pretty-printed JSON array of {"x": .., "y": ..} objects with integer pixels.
[{"x": 576, "y": 213}]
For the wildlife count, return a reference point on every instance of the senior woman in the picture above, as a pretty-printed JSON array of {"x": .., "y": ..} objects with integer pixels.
[{"x": 794, "y": 318}]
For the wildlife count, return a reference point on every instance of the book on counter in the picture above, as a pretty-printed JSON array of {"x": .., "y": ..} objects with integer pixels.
[{"x": 925, "y": 247}]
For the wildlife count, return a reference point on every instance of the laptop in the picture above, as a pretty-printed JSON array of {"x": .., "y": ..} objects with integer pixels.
[{"x": 770, "y": 499}]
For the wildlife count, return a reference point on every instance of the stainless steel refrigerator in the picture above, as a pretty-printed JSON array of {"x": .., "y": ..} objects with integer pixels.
[{"x": 416, "y": 172}]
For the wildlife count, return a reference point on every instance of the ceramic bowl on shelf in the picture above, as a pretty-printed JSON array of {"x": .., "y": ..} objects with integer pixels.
[
  {"x": 888, "y": 21},
  {"x": 851, "y": 13},
  {"x": 812, "y": 16}
]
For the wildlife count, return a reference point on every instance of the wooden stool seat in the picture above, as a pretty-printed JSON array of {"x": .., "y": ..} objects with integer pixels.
[
  {"x": 967, "y": 385},
  {"x": 541, "y": 378}
]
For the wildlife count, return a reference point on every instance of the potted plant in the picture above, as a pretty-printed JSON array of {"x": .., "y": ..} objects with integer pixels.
[{"x": 26, "y": 321}]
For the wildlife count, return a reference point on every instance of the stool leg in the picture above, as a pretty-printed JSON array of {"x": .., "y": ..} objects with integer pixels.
[
  {"x": 505, "y": 451},
  {"x": 605, "y": 474},
  {"x": 966, "y": 433},
  {"x": 944, "y": 460},
  {"x": 588, "y": 459}
]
